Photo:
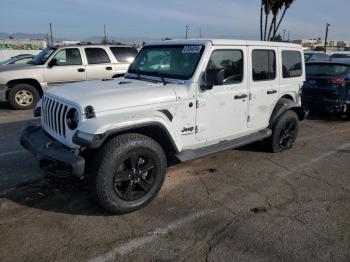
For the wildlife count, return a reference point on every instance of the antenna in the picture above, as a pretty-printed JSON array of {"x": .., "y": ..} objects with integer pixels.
[
  {"x": 187, "y": 28},
  {"x": 200, "y": 32}
]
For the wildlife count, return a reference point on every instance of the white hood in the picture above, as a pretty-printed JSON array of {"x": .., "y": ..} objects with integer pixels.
[{"x": 113, "y": 94}]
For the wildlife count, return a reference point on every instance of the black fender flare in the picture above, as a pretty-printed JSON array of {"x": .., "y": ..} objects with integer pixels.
[
  {"x": 283, "y": 105},
  {"x": 100, "y": 139}
]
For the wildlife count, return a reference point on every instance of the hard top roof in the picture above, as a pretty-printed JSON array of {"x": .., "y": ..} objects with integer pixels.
[{"x": 225, "y": 42}]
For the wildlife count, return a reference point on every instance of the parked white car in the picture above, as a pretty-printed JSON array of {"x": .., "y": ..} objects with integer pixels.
[
  {"x": 23, "y": 84},
  {"x": 185, "y": 99}
]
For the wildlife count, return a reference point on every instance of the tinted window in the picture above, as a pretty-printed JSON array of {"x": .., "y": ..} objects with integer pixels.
[
  {"x": 229, "y": 60},
  {"x": 124, "y": 54},
  {"x": 69, "y": 56},
  {"x": 96, "y": 56},
  {"x": 326, "y": 69},
  {"x": 264, "y": 65},
  {"x": 291, "y": 64}
]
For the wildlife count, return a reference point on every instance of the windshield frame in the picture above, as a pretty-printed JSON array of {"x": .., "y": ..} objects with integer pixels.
[
  {"x": 41, "y": 56},
  {"x": 138, "y": 73}
]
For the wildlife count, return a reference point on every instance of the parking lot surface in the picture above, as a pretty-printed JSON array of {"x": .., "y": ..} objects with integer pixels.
[{"x": 239, "y": 205}]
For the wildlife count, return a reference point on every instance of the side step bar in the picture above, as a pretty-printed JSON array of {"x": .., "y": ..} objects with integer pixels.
[{"x": 189, "y": 154}]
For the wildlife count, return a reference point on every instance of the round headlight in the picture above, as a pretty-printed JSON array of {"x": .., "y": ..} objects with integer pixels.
[{"x": 72, "y": 119}]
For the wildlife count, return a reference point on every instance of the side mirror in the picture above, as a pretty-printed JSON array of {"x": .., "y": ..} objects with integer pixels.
[
  {"x": 53, "y": 63},
  {"x": 213, "y": 77}
]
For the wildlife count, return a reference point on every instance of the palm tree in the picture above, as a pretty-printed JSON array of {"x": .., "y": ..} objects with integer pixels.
[
  {"x": 287, "y": 5},
  {"x": 267, "y": 13},
  {"x": 275, "y": 6}
]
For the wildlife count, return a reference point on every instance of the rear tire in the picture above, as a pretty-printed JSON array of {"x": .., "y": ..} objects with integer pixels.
[
  {"x": 127, "y": 173},
  {"x": 23, "y": 96},
  {"x": 284, "y": 132}
]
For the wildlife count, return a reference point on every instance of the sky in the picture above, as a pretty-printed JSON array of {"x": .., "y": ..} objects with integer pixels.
[{"x": 78, "y": 19}]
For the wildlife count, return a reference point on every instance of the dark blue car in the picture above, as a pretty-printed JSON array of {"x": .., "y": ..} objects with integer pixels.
[{"x": 327, "y": 87}]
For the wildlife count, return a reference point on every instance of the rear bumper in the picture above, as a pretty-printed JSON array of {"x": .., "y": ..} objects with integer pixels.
[
  {"x": 326, "y": 105},
  {"x": 52, "y": 156}
]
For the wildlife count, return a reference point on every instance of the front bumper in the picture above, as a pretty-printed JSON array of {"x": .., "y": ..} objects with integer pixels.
[
  {"x": 52, "y": 155},
  {"x": 3, "y": 89}
]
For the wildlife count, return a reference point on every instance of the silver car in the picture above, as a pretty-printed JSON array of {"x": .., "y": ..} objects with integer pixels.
[{"x": 22, "y": 85}]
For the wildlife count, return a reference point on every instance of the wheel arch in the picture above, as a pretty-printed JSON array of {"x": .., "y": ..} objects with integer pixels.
[
  {"x": 155, "y": 130},
  {"x": 35, "y": 83},
  {"x": 283, "y": 105}
]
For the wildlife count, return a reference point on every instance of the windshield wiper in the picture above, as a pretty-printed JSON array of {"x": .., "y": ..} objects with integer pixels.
[
  {"x": 162, "y": 78},
  {"x": 31, "y": 62}
]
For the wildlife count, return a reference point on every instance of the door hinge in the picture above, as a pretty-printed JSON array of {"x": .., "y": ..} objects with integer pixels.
[
  {"x": 248, "y": 118},
  {"x": 250, "y": 96}
]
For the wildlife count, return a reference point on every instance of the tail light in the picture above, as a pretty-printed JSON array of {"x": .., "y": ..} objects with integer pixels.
[{"x": 336, "y": 81}]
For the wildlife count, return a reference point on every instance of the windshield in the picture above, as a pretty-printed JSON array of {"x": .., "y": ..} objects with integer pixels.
[
  {"x": 171, "y": 61},
  {"x": 42, "y": 57},
  {"x": 341, "y": 56},
  {"x": 326, "y": 69}
]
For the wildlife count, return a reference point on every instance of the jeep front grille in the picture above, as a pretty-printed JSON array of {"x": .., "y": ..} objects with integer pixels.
[{"x": 54, "y": 115}]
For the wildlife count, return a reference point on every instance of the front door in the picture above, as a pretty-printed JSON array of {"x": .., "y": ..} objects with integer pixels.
[
  {"x": 222, "y": 111},
  {"x": 68, "y": 67}
]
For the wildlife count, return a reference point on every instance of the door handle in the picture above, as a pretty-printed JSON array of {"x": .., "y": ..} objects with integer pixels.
[
  {"x": 81, "y": 70},
  {"x": 241, "y": 96},
  {"x": 271, "y": 92},
  {"x": 109, "y": 68}
]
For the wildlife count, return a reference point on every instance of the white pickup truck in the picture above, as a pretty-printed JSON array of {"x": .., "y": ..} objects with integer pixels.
[
  {"x": 23, "y": 84},
  {"x": 184, "y": 99}
]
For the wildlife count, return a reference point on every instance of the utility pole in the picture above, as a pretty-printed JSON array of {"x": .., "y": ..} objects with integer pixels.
[
  {"x": 200, "y": 32},
  {"x": 326, "y": 38},
  {"x": 187, "y": 27},
  {"x": 105, "y": 34},
  {"x": 51, "y": 37}
]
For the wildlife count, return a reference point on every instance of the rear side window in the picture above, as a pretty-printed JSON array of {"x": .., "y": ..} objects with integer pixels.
[
  {"x": 124, "y": 54},
  {"x": 291, "y": 64},
  {"x": 231, "y": 61},
  {"x": 96, "y": 56},
  {"x": 264, "y": 65},
  {"x": 326, "y": 69}
]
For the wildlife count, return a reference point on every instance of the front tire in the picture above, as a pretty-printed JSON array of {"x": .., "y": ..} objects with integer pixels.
[
  {"x": 127, "y": 173},
  {"x": 284, "y": 132},
  {"x": 23, "y": 96}
]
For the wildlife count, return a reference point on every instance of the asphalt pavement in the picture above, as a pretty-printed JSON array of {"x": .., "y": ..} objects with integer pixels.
[{"x": 238, "y": 205}]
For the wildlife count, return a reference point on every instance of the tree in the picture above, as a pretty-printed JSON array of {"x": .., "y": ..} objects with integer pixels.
[{"x": 272, "y": 7}]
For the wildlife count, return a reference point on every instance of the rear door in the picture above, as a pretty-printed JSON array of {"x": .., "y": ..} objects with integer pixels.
[
  {"x": 69, "y": 67},
  {"x": 125, "y": 56},
  {"x": 264, "y": 85},
  {"x": 99, "y": 64},
  {"x": 222, "y": 111}
]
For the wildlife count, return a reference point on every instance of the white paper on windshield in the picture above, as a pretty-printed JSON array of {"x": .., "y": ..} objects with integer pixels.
[{"x": 192, "y": 49}]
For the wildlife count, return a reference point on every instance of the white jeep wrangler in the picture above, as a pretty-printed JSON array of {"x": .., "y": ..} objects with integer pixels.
[{"x": 185, "y": 99}]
